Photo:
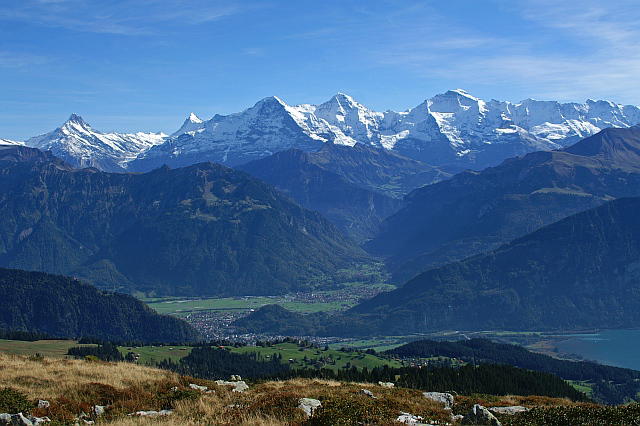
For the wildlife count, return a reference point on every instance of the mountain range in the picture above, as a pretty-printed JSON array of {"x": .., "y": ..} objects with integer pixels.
[
  {"x": 201, "y": 230},
  {"x": 477, "y": 211},
  {"x": 581, "y": 272},
  {"x": 453, "y": 130},
  {"x": 77, "y": 143},
  {"x": 354, "y": 187}
]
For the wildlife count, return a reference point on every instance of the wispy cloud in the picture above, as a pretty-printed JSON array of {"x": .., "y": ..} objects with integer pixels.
[
  {"x": 122, "y": 17},
  {"x": 580, "y": 49}
]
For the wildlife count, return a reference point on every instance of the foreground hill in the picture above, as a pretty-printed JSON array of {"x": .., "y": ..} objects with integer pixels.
[
  {"x": 64, "y": 307},
  {"x": 580, "y": 272},
  {"x": 200, "y": 230},
  {"x": 477, "y": 211},
  {"x": 354, "y": 187},
  {"x": 72, "y": 387}
]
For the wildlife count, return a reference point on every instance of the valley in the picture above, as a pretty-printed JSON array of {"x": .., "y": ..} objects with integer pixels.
[{"x": 333, "y": 213}]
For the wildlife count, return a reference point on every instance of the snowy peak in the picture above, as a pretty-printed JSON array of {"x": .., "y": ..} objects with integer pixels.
[
  {"x": 192, "y": 123},
  {"x": 80, "y": 145},
  {"x": 76, "y": 119},
  {"x": 453, "y": 129},
  {"x": 193, "y": 118}
]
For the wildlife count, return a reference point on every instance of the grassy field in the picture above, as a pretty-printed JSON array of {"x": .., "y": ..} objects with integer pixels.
[
  {"x": 352, "y": 285},
  {"x": 582, "y": 386},
  {"x": 331, "y": 358},
  {"x": 182, "y": 307},
  {"x": 150, "y": 355},
  {"x": 49, "y": 348}
]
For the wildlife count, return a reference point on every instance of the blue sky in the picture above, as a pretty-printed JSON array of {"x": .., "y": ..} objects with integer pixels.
[{"x": 144, "y": 65}]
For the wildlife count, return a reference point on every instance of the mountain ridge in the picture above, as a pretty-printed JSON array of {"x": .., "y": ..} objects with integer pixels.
[
  {"x": 577, "y": 273},
  {"x": 201, "y": 230},
  {"x": 454, "y": 130},
  {"x": 477, "y": 211}
]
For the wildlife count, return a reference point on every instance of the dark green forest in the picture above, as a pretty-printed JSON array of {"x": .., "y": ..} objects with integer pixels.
[{"x": 57, "y": 306}]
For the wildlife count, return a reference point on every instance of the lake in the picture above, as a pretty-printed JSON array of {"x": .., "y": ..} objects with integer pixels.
[{"x": 620, "y": 348}]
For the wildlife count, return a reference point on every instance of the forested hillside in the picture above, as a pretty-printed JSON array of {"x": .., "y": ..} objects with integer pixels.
[
  {"x": 612, "y": 385},
  {"x": 475, "y": 212},
  {"x": 577, "y": 273},
  {"x": 201, "y": 230},
  {"x": 60, "y": 306}
]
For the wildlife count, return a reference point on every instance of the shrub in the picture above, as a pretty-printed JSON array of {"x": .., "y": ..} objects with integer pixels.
[{"x": 13, "y": 401}]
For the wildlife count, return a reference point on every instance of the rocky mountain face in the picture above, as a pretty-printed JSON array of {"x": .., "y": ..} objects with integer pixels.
[
  {"x": 581, "y": 272},
  {"x": 201, "y": 230},
  {"x": 80, "y": 145},
  {"x": 354, "y": 187},
  {"x": 453, "y": 130},
  {"x": 478, "y": 211},
  {"x": 64, "y": 307}
]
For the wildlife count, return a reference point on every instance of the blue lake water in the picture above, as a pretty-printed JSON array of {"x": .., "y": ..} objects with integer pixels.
[{"x": 620, "y": 348}]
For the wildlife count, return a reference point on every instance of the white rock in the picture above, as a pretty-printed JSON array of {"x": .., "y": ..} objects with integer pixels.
[
  {"x": 19, "y": 419},
  {"x": 514, "y": 409},
  {"x": 409, "y": 419},
  {"x": 152, "y": 413},
  {"x": 239, "y": 386},
  {"x": 367, "y": 392},
  {"x": 39, "y": 420},
  {"x": 386, "y": 384},
  {"x": 441, "y": 397},
  {"x": 43, "y": 404},
  {"x": 99, "y": 410},
  {"x": 197, "y": 387},
  {"x": 309, "y": 405},
  {"x": 480, "y": 416}
]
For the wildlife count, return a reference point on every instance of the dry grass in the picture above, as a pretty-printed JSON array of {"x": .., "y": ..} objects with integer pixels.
[
  {"x": 74, "y": 386},
  {"x": 48, "y": 378}
]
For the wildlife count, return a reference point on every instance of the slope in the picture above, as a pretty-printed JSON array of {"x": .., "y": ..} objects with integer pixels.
[
  {"x": 477, "y": 211},
  {"x": 201, "y": 230},
  {"x": 65, "y": 307},
  {"x": 354, "y": 187},
  {"x": 580, "y": 272}
]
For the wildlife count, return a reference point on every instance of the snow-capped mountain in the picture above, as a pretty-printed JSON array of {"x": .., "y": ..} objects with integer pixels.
[
  {"x": 193, "y": 123},
  {"x": 81, "y": 146},
  {"x": 453, "y": 129},
  {"x": 268, "y": 127}
]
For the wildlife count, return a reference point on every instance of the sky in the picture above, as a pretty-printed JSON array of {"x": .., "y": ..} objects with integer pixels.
[{"x": 143, "y": 65}]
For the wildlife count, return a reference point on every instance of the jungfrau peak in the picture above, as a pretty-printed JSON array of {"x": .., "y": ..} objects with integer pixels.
[{"x": 454, "y": 130}]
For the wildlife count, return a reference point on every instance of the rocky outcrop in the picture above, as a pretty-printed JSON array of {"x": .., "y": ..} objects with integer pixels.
[
  {"x": 22, "y": 420},
  {"x": 368, "y": 393},
  {"x": 480, "y": 416},
  {"x": 238, "y": 386},
  {"x": 152, "y": 413},
  {"x": 309, "y": 405},
  {"x": 442, "y": 397},
  {"x": 514, "y": 409}
]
